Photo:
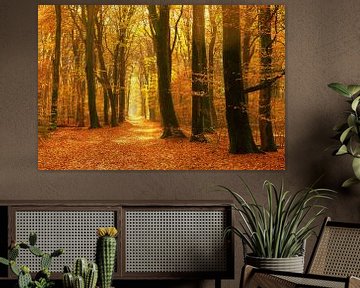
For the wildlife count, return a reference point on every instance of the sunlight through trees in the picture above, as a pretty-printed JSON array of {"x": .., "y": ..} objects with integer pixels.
[{"x": 210, "y": 73}]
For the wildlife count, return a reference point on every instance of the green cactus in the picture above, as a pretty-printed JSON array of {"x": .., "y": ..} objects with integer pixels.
[
  {"x": 91, "y": 276},
  {"x": 87, "y": 272},
  {"x": 105, "y": 258},
  {"x": 45, "y": 261},
  {"x": 14, "y": 268},
  {"x": 42, "y": 278},
  {"x": 80, "y": 268},
  {"x": 24, "y": 280},
  {"x": 42, "y": 283},
  {"x": 13, "y": 253},
  {"x": 43, "y": 274},
  {"x": 32, "y": 238},
  {"x": 67, "y": 269},
  {"x": 4, "y": 261},
  {"x": 79, "y": 282},
  {"x": 68, "y": 280},
  {"x": 36, "y": 251},
  {"x": 57, "y": 252},
  {"x": 24, "y": 245},
  {"x": 25, "y": 269}
]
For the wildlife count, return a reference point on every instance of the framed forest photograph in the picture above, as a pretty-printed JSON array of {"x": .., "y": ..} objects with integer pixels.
[{"x": 161, "y": 87}]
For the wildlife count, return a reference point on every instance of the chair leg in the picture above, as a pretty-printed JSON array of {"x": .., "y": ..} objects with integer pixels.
[{"x": 246, "y": 274}]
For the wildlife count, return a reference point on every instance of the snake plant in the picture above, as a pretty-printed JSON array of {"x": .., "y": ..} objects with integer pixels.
[{"x": 279, "y": 228}]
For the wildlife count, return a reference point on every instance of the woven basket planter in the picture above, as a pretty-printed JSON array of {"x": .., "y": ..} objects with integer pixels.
[{"x": 291, "y": 264}]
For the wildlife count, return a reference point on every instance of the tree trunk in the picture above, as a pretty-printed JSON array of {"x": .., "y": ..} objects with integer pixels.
[
  {"x": 240, "y": 136},
  {"x": 81, "y": 119},
  {"x": 265, "y": 124},
  {"x": 105, "y": 81},
  {"x": 116, "y": 78},
  {"x": 125, "y": 15},
  {"x": 152, "y": 92},
  {"x": 106, "y": 107},
  {"x": 78, "y": 81},
  {"x": 89, "y": 69},
  {"x": 247, "y": 48},
  {"x": 160, "y": 24},
  {"x": 142, "y": 95},
  {"x": 199, "y": 75},
  {"x": 122, "y": 79},
  {"x": 56, "y": 72},
  {"x": 213, "y": 115}
]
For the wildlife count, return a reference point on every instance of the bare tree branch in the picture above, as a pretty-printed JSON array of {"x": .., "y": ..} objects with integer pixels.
[
  {"x": 73, "y": 17},
  {"x": 264, "y": 84},
  {"x": 153, "y": 19},
  {"x": 176, "y": 29}
]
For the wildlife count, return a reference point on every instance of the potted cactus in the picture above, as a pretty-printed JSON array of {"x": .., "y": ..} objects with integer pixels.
[
  {"x": 106, "y": 254},
  {"x": 42, "y": 278},
  {"x": 85, "y": 275}
]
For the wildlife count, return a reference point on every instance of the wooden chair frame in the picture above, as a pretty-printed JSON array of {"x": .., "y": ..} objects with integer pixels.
[{"x": 254, "y": 277}]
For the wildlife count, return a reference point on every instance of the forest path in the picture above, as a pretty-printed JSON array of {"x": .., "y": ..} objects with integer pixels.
[{"x": 136, "y": 145}]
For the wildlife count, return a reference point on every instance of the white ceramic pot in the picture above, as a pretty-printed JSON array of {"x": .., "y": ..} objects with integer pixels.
[{"x": 291, "y": 264}]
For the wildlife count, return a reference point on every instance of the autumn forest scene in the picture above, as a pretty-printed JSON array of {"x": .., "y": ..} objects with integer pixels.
[{"x": 161, "y": 87}]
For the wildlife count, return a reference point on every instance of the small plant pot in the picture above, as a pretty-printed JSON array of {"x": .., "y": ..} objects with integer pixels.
[{"x": 291, "y": 264}]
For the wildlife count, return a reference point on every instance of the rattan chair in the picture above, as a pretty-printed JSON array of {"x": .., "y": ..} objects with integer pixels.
[{"x": 335, "y": 262}]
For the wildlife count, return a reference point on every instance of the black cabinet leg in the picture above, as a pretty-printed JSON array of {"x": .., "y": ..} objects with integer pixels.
[{"x": 217, "y": 283}]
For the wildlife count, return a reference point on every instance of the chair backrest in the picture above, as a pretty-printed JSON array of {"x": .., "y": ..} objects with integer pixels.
[{"x": 337, "y": 251}]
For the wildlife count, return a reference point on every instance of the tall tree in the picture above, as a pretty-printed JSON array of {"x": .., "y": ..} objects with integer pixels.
[
  {"x": 212, "y": 122},
  {"x": 104, "y": 77},
  {"x": 125, "y": 14},
  {"x": 89, "y": 69},
  {"x": 152, "y": 97},
  {"x": 106, "y": 106},
  {"x": 248, "y": 39},
  {"x": 79, "y": 82},
  {"x": 56, "y": 73},
  {"x": 160, "y": 27},
  {"x": 115, "y": 76},
  {"x": 240, "y": 135},
  {"x": 122, "y": 78},
  {"x": 199, "y": 75},
  {"x": 265, "y": 123}
]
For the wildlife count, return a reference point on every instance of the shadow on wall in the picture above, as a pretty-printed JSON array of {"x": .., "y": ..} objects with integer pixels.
[
  {"x": 313, "y": 160},
  {"x": 333, "y": 170}
]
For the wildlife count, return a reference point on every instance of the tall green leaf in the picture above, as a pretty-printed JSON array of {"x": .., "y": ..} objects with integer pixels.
[
  {"x": 356, "y": 167},
  {"x": 353, "y": 89},
  {"x": 340, "y": 88},
  {"x": 279, "y": 228},
  {"x": 355, "y": 103}
]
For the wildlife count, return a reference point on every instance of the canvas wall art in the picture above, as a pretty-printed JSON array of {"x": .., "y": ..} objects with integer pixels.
[{"x": 161, "y": 87}]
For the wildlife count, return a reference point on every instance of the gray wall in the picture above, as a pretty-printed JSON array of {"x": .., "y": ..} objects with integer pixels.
[{"x": 323, "y": 46}]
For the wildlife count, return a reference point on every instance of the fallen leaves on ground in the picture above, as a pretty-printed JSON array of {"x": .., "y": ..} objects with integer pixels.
[{"x": 137, "y": 146}]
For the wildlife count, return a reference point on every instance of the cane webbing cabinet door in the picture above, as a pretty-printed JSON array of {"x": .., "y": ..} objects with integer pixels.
[
  {"x": 170, "y": 240},
  {"x": 176, "y": 242},
  {"x": 70, "y": 228}
]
